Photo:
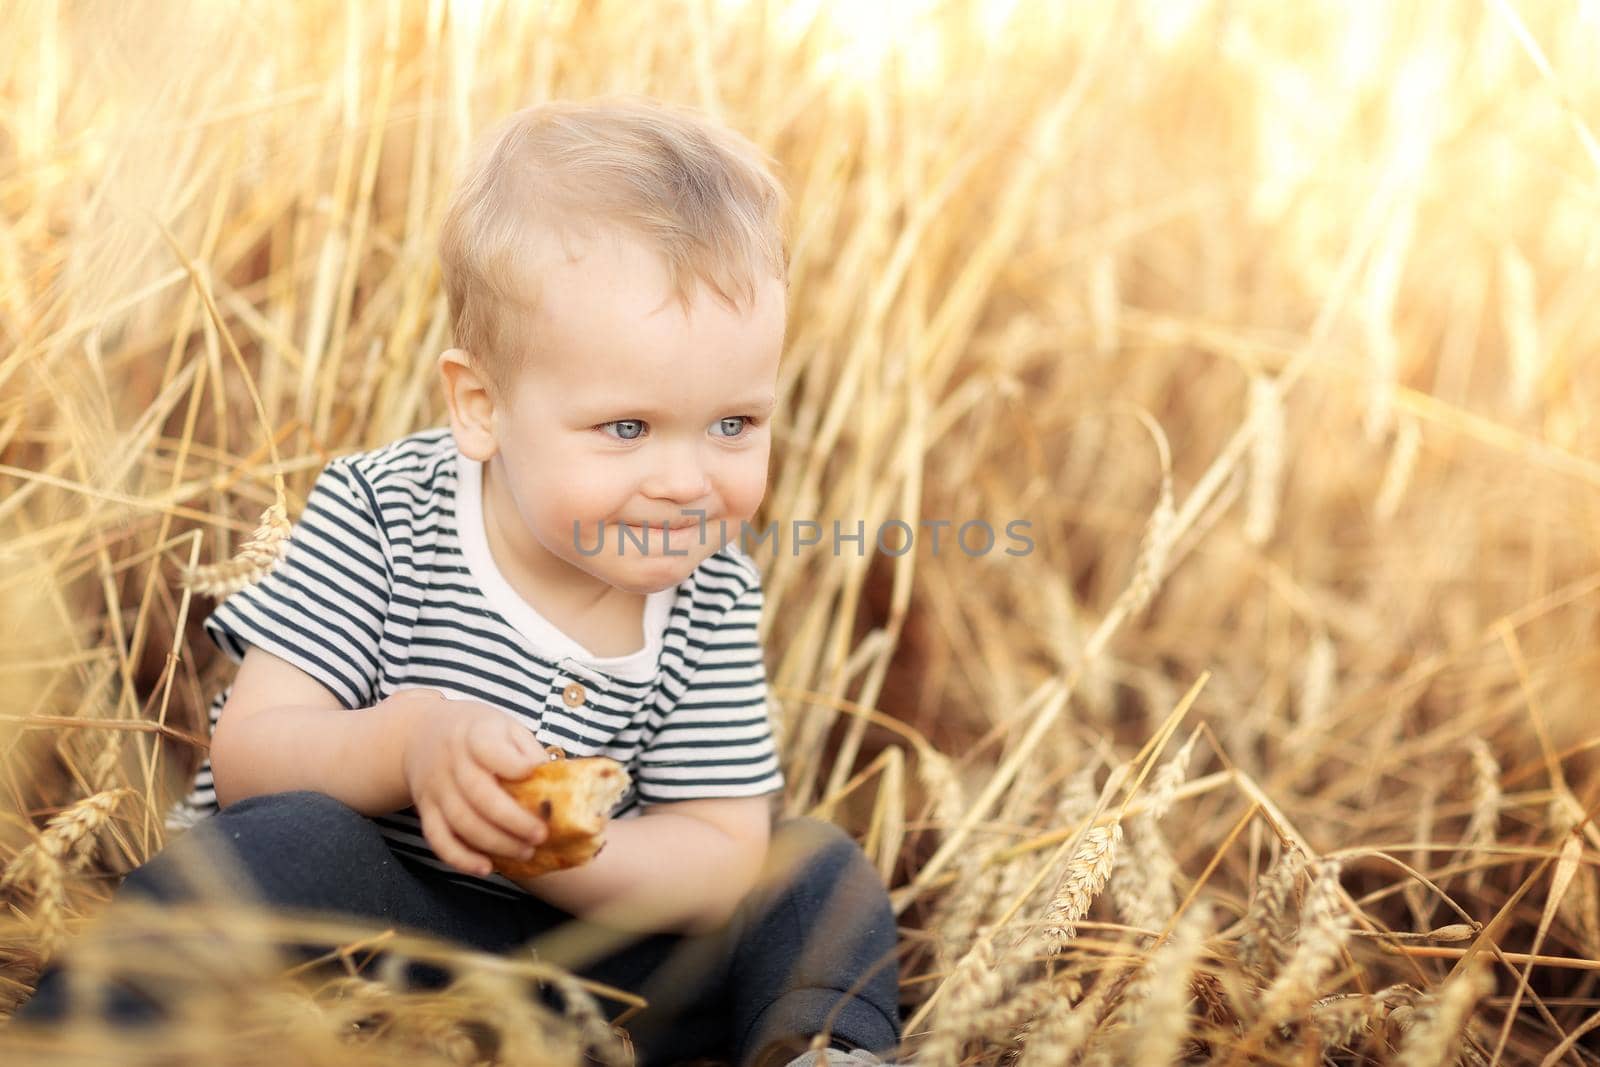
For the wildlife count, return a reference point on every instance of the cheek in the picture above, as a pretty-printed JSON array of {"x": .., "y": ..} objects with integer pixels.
[
  {"x": 588, "y": 499},
  {"x": 745, "y": 484},
  {"x": 555, "y": 490}
]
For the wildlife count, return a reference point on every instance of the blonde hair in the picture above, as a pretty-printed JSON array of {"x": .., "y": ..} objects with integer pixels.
[{"x": 683, "y": 184}]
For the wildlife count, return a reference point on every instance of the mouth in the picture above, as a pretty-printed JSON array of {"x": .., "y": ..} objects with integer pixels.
[{"x": 678, "y": 528}]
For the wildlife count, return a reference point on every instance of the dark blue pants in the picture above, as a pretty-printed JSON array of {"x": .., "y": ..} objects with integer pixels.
[{"x": 811, "y": 950}]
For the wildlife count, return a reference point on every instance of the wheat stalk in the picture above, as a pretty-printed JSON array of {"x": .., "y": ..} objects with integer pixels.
[
  {"x": 1266, "y": 461},
  {"x": 1017, "y": 875},
  {"x": 1269, "y": 923},
  {"x": 1057, "y": 1037},
  {"x": 961, "y": 911},
  {"x": 1377, "y": 306},
  {"x": 1586, "y": 899},
  {"x": 581, "y": 1009},
  {"x": 1164, "y": 783},
  {"x": 1157, "y": 1004},
  {"x": 257, "y": 557},
  {"x": 1013, "y": 1012},
  {"x": 1397, "y": 475},
  {"x": 68, "y": 838},
  {"x": 1337, "y": 1020},
  {"x": 1520, "y": 319},
  {"x": 1419, "y": 898},
  {"x": 1086, "y": 874},
  {"x": 976, "y": 985},
  {"x": 1317, "y": 682},
  {"x": 1435, "y": 1024},
  {"x": 1483, "y": 823},
  {"x": 1324, "y": 926},
  {"x": 1077, "y": 797},
  {"x": 1160, "y": 533},
  {"x": 1144, "y": 883},
  {"x": 102, "y": 770},
  {"x": 63, "y": 849},
  {"x": 1105, "y": 305},
  {"x": 943, "y": 785}
]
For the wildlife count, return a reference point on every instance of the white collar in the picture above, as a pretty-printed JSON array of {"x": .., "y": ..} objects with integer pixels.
[{"x": 546, "y": 639}]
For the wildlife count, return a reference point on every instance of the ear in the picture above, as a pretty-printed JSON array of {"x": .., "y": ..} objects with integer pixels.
[{"x": 471, "y": 403}]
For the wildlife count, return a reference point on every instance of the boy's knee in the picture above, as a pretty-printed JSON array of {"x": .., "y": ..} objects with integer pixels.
[
  {"x": 816, "y": 854},
  {"x": 258, "y": 838},
  {"x": 821, "y": 923},
  {"x": 816, "y": 839}
]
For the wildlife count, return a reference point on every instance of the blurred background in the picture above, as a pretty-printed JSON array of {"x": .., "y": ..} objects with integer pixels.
[{"x": 1275, "y": 321}]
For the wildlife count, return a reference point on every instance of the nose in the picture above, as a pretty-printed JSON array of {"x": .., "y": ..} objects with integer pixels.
[{"x": 678, "y": 476}]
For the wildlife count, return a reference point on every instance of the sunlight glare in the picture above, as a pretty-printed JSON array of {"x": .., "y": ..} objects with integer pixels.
[{"x": 860, "y": 39}]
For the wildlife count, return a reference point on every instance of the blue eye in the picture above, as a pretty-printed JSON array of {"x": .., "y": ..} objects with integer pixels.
[
  {"x": 732, "y": 426},
  {"x": 624, "y": 429}
]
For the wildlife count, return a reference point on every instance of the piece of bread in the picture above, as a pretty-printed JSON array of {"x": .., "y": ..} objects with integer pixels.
[{"x": 574, "y": 797}]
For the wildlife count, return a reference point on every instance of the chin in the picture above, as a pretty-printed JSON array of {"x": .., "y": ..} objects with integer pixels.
[{"x": 653, "y": 574}]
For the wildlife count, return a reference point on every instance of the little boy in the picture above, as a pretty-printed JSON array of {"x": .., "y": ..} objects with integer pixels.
[{"x": 551, "y": 570}]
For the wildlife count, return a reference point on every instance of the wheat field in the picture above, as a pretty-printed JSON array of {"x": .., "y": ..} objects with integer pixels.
[{"x": 1275, "y": 323}]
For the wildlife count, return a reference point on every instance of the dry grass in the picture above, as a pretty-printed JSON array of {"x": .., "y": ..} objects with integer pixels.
[{"x": 1272, "y": 320}]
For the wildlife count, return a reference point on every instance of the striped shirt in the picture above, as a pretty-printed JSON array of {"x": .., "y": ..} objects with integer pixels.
[{"x": 389, "y": 585}]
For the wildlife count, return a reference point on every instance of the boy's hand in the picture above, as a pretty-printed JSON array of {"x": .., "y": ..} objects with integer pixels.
[{"x": 451, "y": 759}]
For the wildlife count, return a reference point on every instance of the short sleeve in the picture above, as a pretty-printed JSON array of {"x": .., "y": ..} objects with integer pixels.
[
  {"x": 323, "y": 607},
  {"x": 716, "y": 741}
]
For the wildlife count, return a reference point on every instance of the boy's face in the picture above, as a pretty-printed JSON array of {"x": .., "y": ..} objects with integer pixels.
[{"x": 633, "y": 413}]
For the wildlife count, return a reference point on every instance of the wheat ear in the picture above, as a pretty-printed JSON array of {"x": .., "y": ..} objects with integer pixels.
[
  {"x": 1324, "y": 927},
  {"x": 1265, "y": 461},
  {"x": 256, "y": 558},
  {"x": 1336, "y": 1020},
  {"x": 1144, "y": 883},
  {"x": 1268, "y": 924},
  {"x": 975, "y": 985},
  {"x": 1397, "y": 475},
  {"x": 65, "y": 847},
  {"x": 1486, "y": 801},
  {"x": 1160, "y": 532},
  {"x": 1087, "y": 871},
  {"x": 1063, "y": 1032},
  {"x": 1439, "y": 1018},
  {"x": 1158, "y": 1003}
]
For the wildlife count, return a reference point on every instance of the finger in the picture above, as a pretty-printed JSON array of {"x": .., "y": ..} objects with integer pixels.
[
  {"x": 447, "y": 846},
  {"x": 501, "y": 808},
  {"x": 477, "y": 832},
  {"x": 528, "y": 744},
  {"x": 508, "y": 749},
  {"x": 527, "y": 747}
]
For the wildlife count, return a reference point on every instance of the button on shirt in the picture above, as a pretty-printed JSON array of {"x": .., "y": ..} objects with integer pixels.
[{"x": 389, "y": 585}]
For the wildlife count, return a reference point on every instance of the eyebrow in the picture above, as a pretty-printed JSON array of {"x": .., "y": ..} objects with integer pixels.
[{"x": 759, "y": 405}]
